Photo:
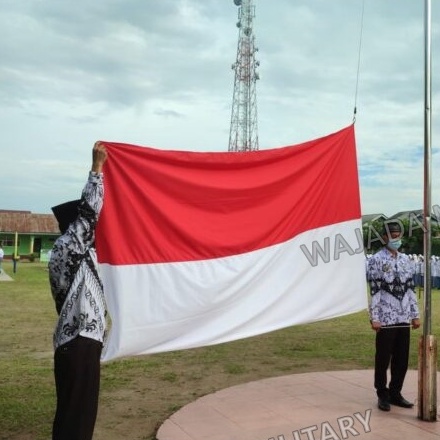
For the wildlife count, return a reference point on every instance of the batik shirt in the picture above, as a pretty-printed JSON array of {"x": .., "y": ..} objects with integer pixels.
[
  {"x": 74, "y": 273},
  {"x": 393, "y": 299}
]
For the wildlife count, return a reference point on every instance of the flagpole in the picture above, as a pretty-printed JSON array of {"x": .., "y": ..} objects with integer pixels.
[{"x": 427, "y": 393}]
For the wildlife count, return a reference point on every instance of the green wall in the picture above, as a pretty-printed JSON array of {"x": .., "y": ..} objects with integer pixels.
[{"x": 28, "y": 244}]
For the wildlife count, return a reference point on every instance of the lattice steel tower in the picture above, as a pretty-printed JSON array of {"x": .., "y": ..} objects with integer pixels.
[{"x": 243, "y": 135}]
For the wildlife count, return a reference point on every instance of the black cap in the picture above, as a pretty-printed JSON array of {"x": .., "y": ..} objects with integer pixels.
[
  {"x": 389, "y": 228},
  {"x": 66, "y": 213}
]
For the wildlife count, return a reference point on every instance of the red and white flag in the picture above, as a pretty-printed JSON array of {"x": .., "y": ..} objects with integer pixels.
[{"x": 203, "y": 248}]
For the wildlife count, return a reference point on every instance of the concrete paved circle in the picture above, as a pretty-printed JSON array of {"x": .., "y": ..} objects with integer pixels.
[{"x": 331, "y": 405}]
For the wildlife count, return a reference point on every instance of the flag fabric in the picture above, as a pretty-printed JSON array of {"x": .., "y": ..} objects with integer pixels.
[{"x": 201, "y": 248}]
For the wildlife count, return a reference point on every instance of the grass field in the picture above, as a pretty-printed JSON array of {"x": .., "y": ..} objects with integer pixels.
[{"x": 139, "y": 393}]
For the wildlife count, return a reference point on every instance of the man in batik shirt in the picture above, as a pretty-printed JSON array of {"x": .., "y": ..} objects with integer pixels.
[
  {"x": 79, "y": 299},
  {"x": 393, "y": 309}
]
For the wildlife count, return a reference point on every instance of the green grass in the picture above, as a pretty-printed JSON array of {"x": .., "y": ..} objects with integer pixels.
[{"x": 139, "y": 393}]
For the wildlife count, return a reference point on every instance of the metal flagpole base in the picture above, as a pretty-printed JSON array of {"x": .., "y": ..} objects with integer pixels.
[{"x": 427, "y": 396}]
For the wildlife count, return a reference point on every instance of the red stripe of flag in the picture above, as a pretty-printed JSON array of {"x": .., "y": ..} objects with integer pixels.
[{"x": 169, "y": 206}]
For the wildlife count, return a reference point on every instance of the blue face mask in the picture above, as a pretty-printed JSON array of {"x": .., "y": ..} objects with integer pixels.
[{"x": 395, "y": 244}]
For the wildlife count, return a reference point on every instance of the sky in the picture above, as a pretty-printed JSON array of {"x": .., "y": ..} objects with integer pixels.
[{"x": 158, "y": 73}]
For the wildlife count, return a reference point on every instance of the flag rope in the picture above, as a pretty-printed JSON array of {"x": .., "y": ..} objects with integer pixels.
[{"x": 359, "y": 62}]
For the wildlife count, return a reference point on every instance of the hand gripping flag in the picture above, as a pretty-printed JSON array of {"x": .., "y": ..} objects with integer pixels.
[{"x": 200, "y": 248}]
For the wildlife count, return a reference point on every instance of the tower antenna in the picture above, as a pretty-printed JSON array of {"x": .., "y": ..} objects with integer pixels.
[{"x": 243, "y": 134}]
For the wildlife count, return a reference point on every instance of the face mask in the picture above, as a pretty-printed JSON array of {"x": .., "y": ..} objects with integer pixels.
[{"x": 395, "y": 244}]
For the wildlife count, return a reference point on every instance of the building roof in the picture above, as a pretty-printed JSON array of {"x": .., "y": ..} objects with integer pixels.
[
  {"x": 367, "y": 218},
  {"x": 410, "y": 215},
  {"x": 25, "y": 222},
  {"x": 402, "y": 215}
]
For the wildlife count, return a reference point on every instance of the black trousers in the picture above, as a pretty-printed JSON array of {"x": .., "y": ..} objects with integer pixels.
[
  {"x": 392, "y": 347},
  {"x": 77, "y": 379}
]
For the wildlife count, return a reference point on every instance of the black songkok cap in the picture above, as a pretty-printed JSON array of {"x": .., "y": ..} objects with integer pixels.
[
  {"x": 389, "y": 228},
  {"x": 66, "y": 213}
]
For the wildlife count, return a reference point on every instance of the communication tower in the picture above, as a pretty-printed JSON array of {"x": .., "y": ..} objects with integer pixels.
[{"x": 243, "y": 134}]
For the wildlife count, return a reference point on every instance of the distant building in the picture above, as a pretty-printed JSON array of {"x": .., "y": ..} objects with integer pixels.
[
  {"x": 369, "y": 218},
  {"x": 28, "y": 234},
  {"x": 409, "y": 215},
  {"x": 414, "y": 216}
]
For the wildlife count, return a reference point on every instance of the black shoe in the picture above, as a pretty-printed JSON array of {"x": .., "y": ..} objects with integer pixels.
[
  {"x": 400, "y": 401},
  {"x": 383, "y": 404}
]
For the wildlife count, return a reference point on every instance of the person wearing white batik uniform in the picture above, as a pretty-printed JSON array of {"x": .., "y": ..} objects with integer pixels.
[
  {"x": 421, "y": 270},
  {"x": 2, "y": 254},
  {"x": 393, "y": 309},
  {"x": 79, "y": 299},
  {"x": 434, "y": 272},
  {"x": 437, "y": 270},
  {"x": 413, "y": 262}
]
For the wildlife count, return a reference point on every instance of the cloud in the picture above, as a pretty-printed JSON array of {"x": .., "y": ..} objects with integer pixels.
[{"x": 158, "y": 73}]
